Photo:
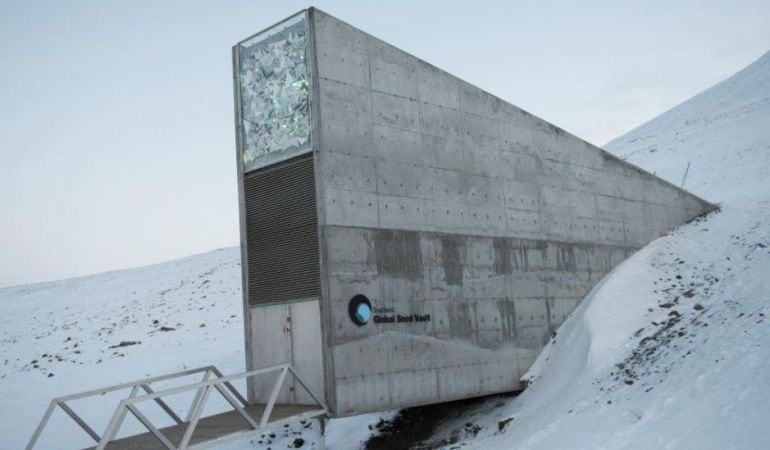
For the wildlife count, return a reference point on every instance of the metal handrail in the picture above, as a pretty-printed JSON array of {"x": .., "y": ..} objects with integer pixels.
[
  {"x": 129, "y": 384},
  {"x": 134, "y": 385},
  {"x": 206, "y": 383},
  {"x": 220, "y": 383}
]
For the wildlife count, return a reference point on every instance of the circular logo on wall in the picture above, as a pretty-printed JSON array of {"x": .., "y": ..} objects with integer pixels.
[{"x": 360, "y": 310}]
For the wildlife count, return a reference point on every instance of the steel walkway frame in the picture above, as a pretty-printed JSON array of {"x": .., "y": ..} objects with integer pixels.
[{"x": 220, "y": 383}]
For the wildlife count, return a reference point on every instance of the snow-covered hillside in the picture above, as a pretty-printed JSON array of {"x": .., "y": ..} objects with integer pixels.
[
  {"x": 74, "y": 335},
  {"x": 672, "y": 349},
  {"x": 723, "y": 133}
]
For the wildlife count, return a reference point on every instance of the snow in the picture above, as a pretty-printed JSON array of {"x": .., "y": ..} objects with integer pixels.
[
  {"x": 63, "y": 337},
  {"x": 624, "y": 371},
  {"x": 671, "y": 349},
  {"x": 68, "y": 328}
]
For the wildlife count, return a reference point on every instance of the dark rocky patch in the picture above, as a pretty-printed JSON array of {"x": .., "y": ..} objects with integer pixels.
[
  {"x": 125, "y": 344},
  {"x": 414, "y": 428},
  {"x": 503, "y": 423}
]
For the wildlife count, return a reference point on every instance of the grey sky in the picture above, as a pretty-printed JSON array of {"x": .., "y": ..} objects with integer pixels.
[{"x": 116, "y": 127}]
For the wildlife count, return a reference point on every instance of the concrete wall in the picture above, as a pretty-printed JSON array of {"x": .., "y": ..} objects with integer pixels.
[{"x": 437, "y": 198}]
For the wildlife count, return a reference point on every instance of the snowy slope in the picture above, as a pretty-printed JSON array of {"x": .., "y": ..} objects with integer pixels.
[
  {"x": 672, "y": 349},
  {"x": 64, "y": 337},
  {"x": 723, "y": 132},
  {"x": 57, "y": 337}
]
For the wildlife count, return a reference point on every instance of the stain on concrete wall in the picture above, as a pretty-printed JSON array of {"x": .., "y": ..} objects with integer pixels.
[
  {"x": 503, "y": 254},
  {"x": 397, "y": 253},
  {"x": 452, "y": 259}
]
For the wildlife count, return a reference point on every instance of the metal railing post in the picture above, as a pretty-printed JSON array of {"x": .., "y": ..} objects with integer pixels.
[
  {"x": 273, "y": 397},
  {"x": 111, "y": 430},
  {"x": 163, "y": 405},
  {"x": 41, "y": 425},
  {"x": 304, "y": 386},
  {"x": 197, "y": 396},
  {"x": 238, "y": 408},
  {"x": 146, "y": 422},
  {"x": 79, "y": 421},
  {"x": 194, "y": 421},
  {"x": 229, "y": 386},
  {"x": 116, "y": 421}
]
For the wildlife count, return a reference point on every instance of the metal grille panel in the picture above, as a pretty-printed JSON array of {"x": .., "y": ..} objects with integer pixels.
[{"x": 281, "y": 232}]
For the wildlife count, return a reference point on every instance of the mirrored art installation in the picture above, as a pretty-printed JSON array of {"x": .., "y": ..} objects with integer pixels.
[{"x": 274, "y": 94}]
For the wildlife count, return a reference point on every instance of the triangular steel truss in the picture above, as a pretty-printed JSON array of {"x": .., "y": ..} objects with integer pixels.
[{"x": 203, "y": 389}]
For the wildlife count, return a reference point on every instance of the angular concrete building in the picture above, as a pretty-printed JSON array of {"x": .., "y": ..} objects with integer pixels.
[{"x": 408, "y": 238}]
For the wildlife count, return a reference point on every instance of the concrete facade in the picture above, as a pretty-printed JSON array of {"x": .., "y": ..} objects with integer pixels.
[{"x": 474, "y": 225}]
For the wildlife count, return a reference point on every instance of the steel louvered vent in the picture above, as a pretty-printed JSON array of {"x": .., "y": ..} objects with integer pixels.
[{"x": 281, "y": 232}]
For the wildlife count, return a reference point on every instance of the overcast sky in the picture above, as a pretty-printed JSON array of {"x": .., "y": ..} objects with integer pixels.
[{"x": 116, "y": 118}]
